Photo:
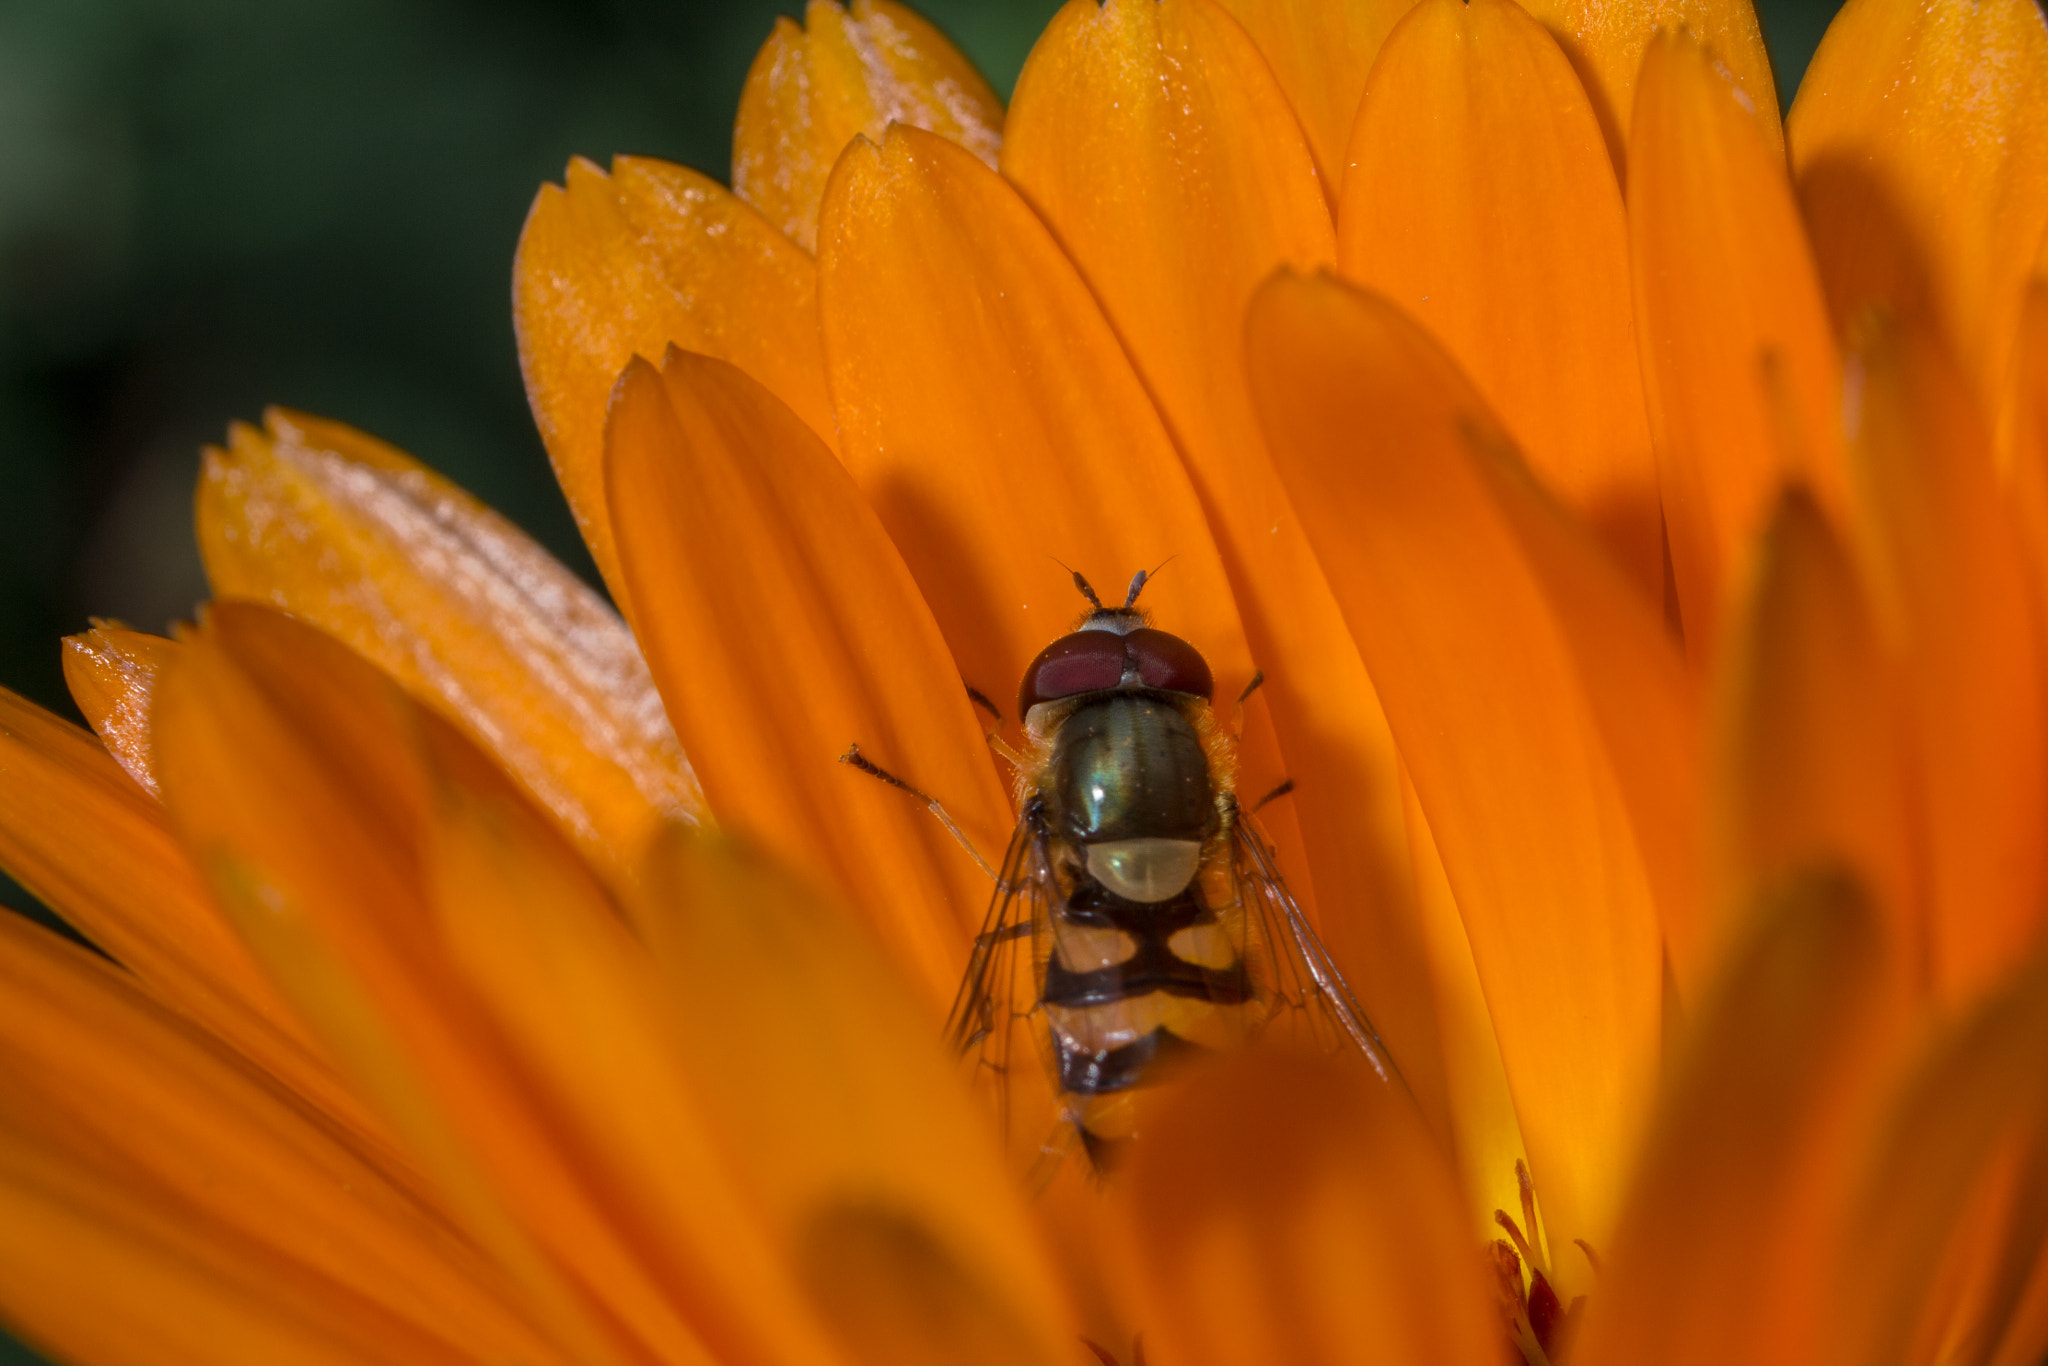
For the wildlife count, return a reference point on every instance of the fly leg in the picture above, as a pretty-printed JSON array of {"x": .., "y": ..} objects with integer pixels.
[
  {"x": 1258, "y": 679},
  {"x": 854, "y": 757}
]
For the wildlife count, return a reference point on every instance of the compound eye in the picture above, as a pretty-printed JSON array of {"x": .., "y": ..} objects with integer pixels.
[
  {"x": 1086, "y": 661},
  {"x": 1168, "y": 662}
]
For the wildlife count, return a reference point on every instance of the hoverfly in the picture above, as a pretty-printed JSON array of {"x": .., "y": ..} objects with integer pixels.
[{"x": 1139, "y": 915}]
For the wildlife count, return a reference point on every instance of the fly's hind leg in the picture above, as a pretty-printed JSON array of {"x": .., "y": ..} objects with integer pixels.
[{"x": 856, "y": 759}]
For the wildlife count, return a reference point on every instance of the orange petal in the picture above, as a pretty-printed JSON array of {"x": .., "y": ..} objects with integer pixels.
[
  {"x": 616, "y": 266},
  {"x": 1284, "y": 1210},
  {"x": 841, "y": 76},
  {"x": 842, "y": 1118},
  {"x": 1396, "y": 471},
  {"x": 2024, "y": 433},
  {"x": 1738, "y": 360},
  {"x": 460, "y": 607},
  {"x": 155, "y": 1112},
  {"x": 994, "y": 423},
  {"x": 1967, "y": 1097},
  {"x": 1321, "y": 54},
  {"x": 1481, "y": 200},
  {"x": 1812, "y": 765},
  {"x": 577, "y": 999},
  {"x": 1920, "y": 145},
  {"x": 1723, "y": 1253},
  {"x": 783, "y": 627},
  {"x": 78, "y": 833},
  {"x": 111, "y": 671},
  {"x": 1949, "y": 578},
  {"x": 299, "y": 775},
  {"x": 1132, "y": 122},
  {"x": 1606, "y": 43}
]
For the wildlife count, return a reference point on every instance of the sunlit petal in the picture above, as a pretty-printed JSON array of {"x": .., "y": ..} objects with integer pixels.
[
  {"x": 1949, "y": 580},
  {"x": 1481, "y": 199},
  {"x": 613, "y": 266},
  {"x": 783, "y": 627},
  {"x": 1723, "y": 1254},
  {"x": 1282, "y": 1210},
  {"x": 1920, "y": 144},
  {"x": 847, "y": 74},
  {"x": 1389, "y": 453},
  {"x": 1131, "y": 121},
  {"x": 1739, "y": 363},
  {"x": 111, "y": 671},
  {"x": 461, "y": 607}
]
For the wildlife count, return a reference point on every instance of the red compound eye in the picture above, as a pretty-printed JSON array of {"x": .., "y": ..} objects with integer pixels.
[
  {"x": 1167, "y": 661},
  {"x": 1086, "y": 661}
]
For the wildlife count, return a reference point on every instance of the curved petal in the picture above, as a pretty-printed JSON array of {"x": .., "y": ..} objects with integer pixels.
[
  {"x": 993, "y": 421},
  {"x": 81, "y": 836},
  {"x": 1397, "y": 472},
  {"x": 783, "y": 627},
  {"x": 844, "y": 1120},
  {"x": 1156, "y": 145},
  {"x": 1481, "y": 200},
  {"x": 153, "y": 1111},
  {"x": 1280, "y": 1209},
  {"x": 1920, "y": 144},
  {"x": 1739, "y": 362},
  {"x": 610, "y": 267},
  {"x": 841, "y": 76},
  {"x": 2023, "y": 435},
  {"x": 459, "y": 606},
  {"x": 580, "y": 1005},
  {"x": 299, "y": 776},
  {"x": 1321, "y": 54},
  {"x": 1812, "y": 765},
  {"x": 1724, "y": 1253},
  {"x": 1949, "y": 579},
  {"x": 1606, "y": 41},
  {"x": 111, "y": 671}
]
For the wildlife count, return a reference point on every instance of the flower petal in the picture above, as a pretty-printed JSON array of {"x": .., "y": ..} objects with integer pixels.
[
  {"x": 993, "y": 421},
  {"x": 1949, "y": 579},
  {"x": 1920, "y": 144},
  {"x": 610, "y": 267},
  {"x": 843, "y": 1119},
  {"x": 1481, "y": 200},
  {"x": 81, "y": 836},
  {"x": 299, "y": 776},
  {"x": 459, "y": 606},
  {"x": 1606, "y": 41},
  {"x": 1976, "y": 1088},
  {"x": 1397, "y": 475},
  {"x": 1132, "y": 122},
  {"x": 2023, "y": 432},
  {"x": 1288, "y": 1210},
  {"x": 579, "y": 1004},
  {"x": 1811, "y": 752},
  {"x": 111, "y": 671},
  {"x": 1723, "y": 1253},
  {"x": 844, "y": 75},
  {"x": 783, "y": 627},
  {"x": 158, "y": 1114},
  {"x": 1739, "y": 361},
  {"x": 1321, "y": 54}
]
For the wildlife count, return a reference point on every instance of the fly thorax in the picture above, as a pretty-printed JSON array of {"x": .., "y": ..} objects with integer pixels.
[{"x": 1128, "y": 785}]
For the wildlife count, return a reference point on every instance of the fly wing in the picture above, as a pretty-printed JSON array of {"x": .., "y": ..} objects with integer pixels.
[
  {"x": 997, "y": 1023},
  {"x": 1308, "y": 1001}
]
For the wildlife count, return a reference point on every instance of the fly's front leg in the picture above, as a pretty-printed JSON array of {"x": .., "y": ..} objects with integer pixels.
[{"x": 856, "y": 759}]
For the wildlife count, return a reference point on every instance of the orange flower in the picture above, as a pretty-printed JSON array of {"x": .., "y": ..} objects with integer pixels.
[{"x": 1638, "y": 510}]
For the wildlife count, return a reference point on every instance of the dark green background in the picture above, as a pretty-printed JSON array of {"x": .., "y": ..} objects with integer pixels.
[{"x": 211, "y": 205}]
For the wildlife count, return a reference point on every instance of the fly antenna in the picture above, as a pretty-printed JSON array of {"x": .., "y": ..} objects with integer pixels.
[
  {"x": 1137, "y": 587},
  {"x": 1086, "y": 591}
]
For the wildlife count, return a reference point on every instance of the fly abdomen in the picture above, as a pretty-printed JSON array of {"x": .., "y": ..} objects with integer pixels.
[{"x": 1127, "y": 949}]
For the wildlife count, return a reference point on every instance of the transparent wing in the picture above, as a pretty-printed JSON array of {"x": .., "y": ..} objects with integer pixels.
[
  {"x": 1309, "y": 999},
  {"x": 996, "y": 1021}
]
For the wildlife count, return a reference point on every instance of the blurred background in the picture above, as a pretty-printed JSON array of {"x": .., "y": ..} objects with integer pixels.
[{"x": 207, "y": 206}]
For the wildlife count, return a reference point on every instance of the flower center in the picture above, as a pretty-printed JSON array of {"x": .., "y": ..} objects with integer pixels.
[{"x": 1539, "y": 1326}]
